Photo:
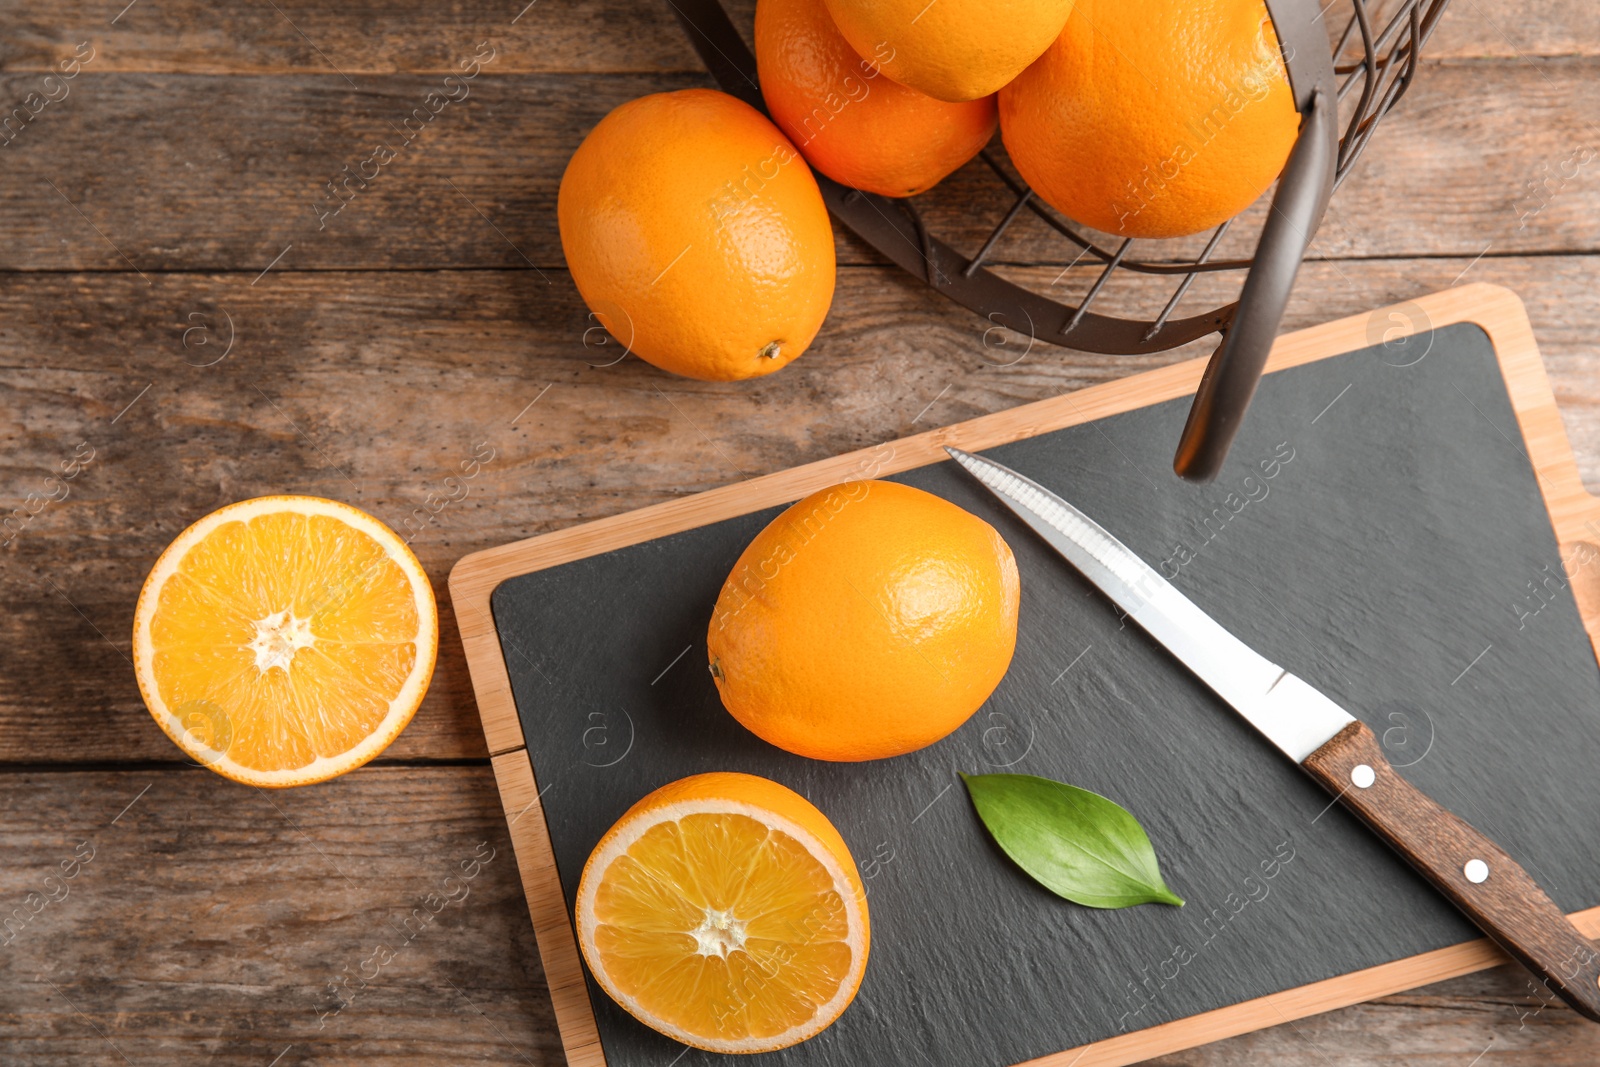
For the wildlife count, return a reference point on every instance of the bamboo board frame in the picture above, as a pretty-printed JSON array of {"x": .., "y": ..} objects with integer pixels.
[{"x": 1574, "y": 514}]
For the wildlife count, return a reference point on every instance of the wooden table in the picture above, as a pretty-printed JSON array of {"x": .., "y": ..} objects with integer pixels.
[{"x": 181, "y": 301}]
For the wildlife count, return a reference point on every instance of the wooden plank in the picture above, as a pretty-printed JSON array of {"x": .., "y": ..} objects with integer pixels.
[
  {"x": 374, "y": 388},
  {"x": 1472, "y": 28},
  {"x": 207, "y": 926},
  {"x": 362, "y": 38},
  {"x": 371, "y": 37},
  {"x": 377, "y": 918},
  {"x": 225, "y": 173},
  {"x": 1573, "y": 512}
]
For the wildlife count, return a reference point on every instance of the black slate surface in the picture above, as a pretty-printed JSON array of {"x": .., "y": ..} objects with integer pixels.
[{"x": 1382, "y": 532}]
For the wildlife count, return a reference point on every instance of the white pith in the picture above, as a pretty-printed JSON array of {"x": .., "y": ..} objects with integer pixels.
[
  {"x": 619, "y": 844},
  {"x": 280, "y": 636},
  {"x": 718, "y": 934}
]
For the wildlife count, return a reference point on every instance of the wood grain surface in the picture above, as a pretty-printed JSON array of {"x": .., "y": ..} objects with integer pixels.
[
  {"x": 138, "y": 215},
  {"x": 217, "y": 172}
]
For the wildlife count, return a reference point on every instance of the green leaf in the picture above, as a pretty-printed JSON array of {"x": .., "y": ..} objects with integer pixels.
[{"x": 1075, "y": 843}]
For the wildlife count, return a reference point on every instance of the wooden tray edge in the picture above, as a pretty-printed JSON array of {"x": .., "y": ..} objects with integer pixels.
[
  {"x": 558, "y": 946},
  {"x": 1291, "y": 1004},
  {"x": 1575, "y": 517}
]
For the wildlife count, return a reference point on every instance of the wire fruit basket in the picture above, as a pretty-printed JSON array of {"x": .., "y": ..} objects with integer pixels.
[{"x": 1343, "y": 84}]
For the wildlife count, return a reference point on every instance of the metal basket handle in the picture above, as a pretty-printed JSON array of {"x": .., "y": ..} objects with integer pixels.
[{"x": 1304, "y": 187}]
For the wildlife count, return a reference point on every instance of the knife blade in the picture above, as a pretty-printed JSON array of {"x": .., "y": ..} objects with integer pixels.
[{"x": 1327, "y": 742}]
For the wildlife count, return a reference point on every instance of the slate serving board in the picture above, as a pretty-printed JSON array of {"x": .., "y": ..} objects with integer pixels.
[{"x": 1379, "y": 530}]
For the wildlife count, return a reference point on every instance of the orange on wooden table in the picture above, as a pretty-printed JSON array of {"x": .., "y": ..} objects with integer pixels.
[
  {"x": 284, "y": 640},
  {"x": 951, "y": 49},
  {"x": 1153, "y": 118},
  {"x": 849, "y": 121},
  {"x": 725, "y": 911},
  {"x": 868, "y": 620},
  {"x": 697, "y": 235}
]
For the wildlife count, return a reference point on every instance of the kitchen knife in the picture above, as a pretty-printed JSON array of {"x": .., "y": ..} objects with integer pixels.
[{"x": 1328, "y": 743}]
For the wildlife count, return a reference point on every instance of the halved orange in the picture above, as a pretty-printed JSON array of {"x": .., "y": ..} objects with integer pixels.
[
  {"x": 285, "y": 640},
  {"x": 725, "y": 911}
]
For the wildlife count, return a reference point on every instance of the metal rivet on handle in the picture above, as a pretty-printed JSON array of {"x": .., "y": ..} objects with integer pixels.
[
  {"x": 1476, "y": 871},
  {"x": 1362, "y": 775}
]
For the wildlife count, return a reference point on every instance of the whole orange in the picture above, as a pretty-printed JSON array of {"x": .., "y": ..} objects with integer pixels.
[
  {"x": 950, "y": 49},
  {"x": 1153, "y": 118},
  {"x": 697, "y": 235},
  {"x": 868, "y": 620},
  {"x": 852, "y": 123}
]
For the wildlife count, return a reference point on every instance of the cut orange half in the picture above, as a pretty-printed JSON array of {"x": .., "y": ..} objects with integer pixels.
[
  {"x": 725, "y": 911},
  {"x": 285, "y": 640}
]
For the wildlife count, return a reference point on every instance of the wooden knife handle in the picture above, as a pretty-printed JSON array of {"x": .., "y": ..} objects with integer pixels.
[{"x": 1475, "y": 873}]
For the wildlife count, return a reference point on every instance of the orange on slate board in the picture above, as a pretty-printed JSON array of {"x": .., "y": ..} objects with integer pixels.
[
  {"x": 868, "y": 620},
  {"x": 725, "y": 911}
]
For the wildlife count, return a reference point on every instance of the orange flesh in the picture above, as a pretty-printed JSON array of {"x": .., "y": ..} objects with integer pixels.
[
  {"x": 722, "y": 926},
  {"x": 299, "y": 628}
]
